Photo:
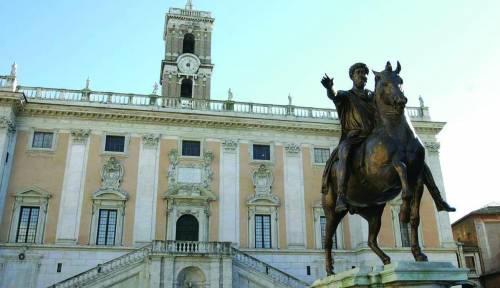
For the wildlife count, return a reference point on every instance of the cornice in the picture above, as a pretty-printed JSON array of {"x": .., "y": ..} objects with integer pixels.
[
  {"x": 200, "y": 119},
  {"x": 13, "y": 99},
  {"x": 178, "y": 118}
]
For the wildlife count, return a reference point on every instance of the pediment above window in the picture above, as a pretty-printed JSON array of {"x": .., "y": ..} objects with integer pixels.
[
  {"x": 263, "y": 200},
  {"x": 33, "y": 195},
  {"x": 110, "y": 194}
]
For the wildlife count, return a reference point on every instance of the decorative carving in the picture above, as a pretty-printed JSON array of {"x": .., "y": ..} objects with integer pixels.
[
  {"x": 80, "y": 136},
  {"x": 190, "y": 180},
  {"x": 432, "y": 146},
  {"x": 262, "y": 179},
  {"x": 230, "y": 145},
  {"x": 7, "y": 123},
  {"x": 292, "y": 148},
  {"x": 111, "y": 174},
  {"x": 150, "y": 140}
]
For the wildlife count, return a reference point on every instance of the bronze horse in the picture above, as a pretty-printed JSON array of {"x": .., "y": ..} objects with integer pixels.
[{"x": 390, "y": 161}]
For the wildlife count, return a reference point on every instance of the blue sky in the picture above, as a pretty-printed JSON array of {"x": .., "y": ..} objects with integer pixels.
[{"x": 265, "y": 49}]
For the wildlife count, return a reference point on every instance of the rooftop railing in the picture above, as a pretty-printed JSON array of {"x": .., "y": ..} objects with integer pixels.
[{"x": 245, "y": 108}]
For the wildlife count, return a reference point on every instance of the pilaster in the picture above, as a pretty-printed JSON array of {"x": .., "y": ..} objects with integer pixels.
[
  {"x": 147, "y": 186},
  {"x": 7, "y": 146},
  {"x": 229, "y": 211},
  {"x": 68, "y": 224},
  {"x": 443, "y": 219},
  {"x": 294, "y": 196}
]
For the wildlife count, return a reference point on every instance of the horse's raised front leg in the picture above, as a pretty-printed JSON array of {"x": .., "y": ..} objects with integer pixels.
[
  {"x": 416, "y": 250},
  {"x": 374, "y": 218},
  {"x": 332, "y": 221},
  {"x": 404, "y": 213}
]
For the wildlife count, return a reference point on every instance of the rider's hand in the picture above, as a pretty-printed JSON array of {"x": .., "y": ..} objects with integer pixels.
[{"x": 327, "y": 82}]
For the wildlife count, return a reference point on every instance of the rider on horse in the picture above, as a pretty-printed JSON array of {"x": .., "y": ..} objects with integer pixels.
[{"x": 356, "y": 112}]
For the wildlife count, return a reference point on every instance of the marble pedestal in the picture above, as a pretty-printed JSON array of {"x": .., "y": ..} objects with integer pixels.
[{"x": 398, "y": 274}]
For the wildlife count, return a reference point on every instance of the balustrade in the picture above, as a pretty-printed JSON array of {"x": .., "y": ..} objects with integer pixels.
[
  {"x": 259, "y": 266},
  {"x": 127, "y": 99}
]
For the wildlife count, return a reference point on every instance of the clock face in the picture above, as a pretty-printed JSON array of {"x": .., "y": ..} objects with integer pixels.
[{"x": 188, "y": 63}]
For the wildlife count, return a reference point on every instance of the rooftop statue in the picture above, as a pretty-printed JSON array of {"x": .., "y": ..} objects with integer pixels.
[{"x": 378, "y": 157}]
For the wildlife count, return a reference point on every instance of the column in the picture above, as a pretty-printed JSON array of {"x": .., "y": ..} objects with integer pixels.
[
  {"x": 443, "y": 219},
  {"x": 294, "y": 197},
  {"x": 147, "y": 187},
  {"x": 229, "y": 209},
  {"x": 70, "y": 209}
]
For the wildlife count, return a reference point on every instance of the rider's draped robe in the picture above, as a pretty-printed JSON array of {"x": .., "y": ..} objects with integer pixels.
[{"x": 356, "y": 112}]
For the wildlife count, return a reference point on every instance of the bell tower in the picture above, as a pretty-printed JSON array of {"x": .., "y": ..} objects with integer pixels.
[{"x": 187, "y": 68}]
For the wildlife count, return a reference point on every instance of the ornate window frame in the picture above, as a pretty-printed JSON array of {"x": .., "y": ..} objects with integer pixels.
[
  {"x": 189, "y": 197},
  {"x": 263, "y": 202},
  {"x": 317, "y": 213},
  {"x": 53, "y": 147},
  {"x": 108, "y": 199},
  {"x": 35, "y": 197},
  {"x": 114, "y": 153},
  {"x": 109, "y": 196}
]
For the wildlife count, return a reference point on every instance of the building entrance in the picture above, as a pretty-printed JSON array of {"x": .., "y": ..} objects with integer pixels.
[{"x": 187, "y": 228}]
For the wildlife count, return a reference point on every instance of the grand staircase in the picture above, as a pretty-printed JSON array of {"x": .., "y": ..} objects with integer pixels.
[{"x": 103, "y": 274}]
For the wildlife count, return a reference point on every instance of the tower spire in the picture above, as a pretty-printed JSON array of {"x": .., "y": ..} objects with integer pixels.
[{"x": 189, "y": 5}]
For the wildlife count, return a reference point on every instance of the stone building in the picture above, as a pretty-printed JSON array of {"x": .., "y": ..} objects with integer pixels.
[
  {"x": 176, "y": 189},
  {"x": 478, "y": 234}
]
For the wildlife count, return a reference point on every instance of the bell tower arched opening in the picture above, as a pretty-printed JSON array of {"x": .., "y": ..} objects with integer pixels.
[{"x": 188, "y": 43}]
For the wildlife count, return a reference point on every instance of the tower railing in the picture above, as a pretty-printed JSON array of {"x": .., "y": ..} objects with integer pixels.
[{"x": 132, "y": 100}]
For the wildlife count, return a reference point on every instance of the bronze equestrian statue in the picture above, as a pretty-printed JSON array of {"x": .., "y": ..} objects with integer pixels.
[{"x": 378, "y": 156}]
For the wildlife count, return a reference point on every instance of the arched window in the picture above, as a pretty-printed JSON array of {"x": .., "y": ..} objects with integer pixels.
[
  {"x": 188, "y": 43},
  {"x": 187, "y": 228},
  {"x": 187, "y": 88}
]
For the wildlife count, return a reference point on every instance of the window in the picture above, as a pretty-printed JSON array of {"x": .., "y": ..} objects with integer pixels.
[
  {"x": 262, "y": 231},
  {"x": 114, "y": 143},
  {"x": 191, "y": 148},
  {"x": 321, "y": 155},
  {"x": 322, "y": 223},
  {"x": 471, "y": 264},
  {"x": 28, "y": 221},
  {"x": 188, "y": 43},
  {"x": 261, "y": 152},
  {"x": 106, "y": 229},
  {"x": 405, "y": 234},
  {"x": 187, "y": 88},
  {"x": 42, "y": 140}
]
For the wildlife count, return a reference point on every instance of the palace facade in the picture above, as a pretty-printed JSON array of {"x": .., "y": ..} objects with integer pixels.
[{"x": 176, "y": 189}]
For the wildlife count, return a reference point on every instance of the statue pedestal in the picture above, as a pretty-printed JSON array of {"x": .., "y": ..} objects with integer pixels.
[{"x": 398, "y": 274}]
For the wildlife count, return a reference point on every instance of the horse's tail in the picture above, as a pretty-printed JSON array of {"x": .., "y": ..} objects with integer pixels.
[{"x": 429, "y": 182}]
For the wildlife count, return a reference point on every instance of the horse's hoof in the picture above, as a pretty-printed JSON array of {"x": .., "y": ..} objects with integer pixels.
[
  {"x": 386, "y": 261},
  {"x": 421, "y": 258},
  {"x": 330, "y": 273},
  {"x": 443, "y": 206}
]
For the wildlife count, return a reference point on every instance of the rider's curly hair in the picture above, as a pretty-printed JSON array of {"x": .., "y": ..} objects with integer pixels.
[{"x": 356, "y": 66}]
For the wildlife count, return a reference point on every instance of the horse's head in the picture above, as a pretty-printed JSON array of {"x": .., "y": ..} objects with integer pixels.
[{"x": 389, "y": 95}]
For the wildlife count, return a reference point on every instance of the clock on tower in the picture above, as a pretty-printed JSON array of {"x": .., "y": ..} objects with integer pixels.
[{"x": 186, "y": 70}]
